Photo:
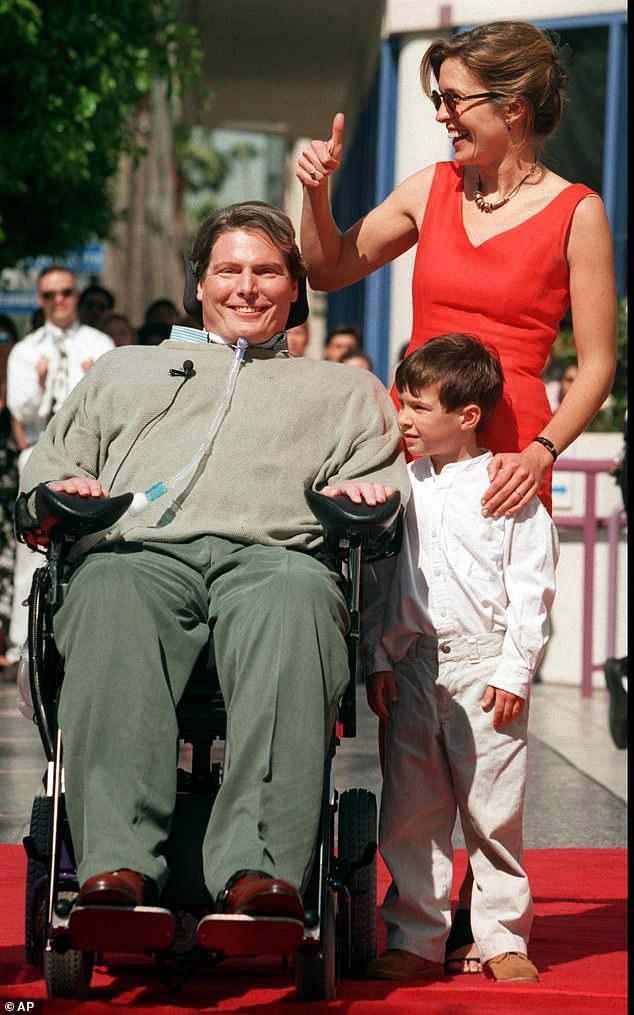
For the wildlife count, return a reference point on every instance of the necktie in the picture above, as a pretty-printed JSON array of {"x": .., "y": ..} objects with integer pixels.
[{"x": 59, "y": 387}]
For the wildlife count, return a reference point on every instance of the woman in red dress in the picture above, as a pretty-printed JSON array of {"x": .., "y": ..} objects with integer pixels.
[{"x": 504, "y": 246}]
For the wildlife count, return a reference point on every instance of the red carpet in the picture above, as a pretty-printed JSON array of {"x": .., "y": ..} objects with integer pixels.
[{"x": 578, "y": 944}]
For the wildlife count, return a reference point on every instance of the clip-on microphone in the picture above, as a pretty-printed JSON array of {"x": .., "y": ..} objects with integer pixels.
[{"x": 187, "y": 371}]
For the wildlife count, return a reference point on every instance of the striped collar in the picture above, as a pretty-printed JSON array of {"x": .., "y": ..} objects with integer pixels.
[{"x": 183, "y": 334}]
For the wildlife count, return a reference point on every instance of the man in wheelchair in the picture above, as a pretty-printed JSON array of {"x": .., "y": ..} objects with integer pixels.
[{"x": 218, "y": 432}]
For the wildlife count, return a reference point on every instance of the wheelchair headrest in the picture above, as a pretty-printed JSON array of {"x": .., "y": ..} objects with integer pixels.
[{"x": 193, "y": 307}]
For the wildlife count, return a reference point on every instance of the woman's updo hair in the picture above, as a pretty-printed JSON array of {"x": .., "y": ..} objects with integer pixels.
[{"x": 514, "y": 57}]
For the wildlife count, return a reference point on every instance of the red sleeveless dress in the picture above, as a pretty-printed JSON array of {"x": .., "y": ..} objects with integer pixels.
[{"x": 510, "y": 291}]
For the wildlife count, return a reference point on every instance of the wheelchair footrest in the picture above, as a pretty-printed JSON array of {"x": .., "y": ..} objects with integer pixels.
[
  {"x": 121, "y": 928},
  {"x": 249, "y": 935}
]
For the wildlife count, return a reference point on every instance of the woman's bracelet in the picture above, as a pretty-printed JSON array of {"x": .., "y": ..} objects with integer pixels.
[{"x": 547, "y": 444}]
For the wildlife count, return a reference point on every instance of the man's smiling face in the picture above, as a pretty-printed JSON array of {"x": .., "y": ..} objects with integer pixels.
[{"x": 247, "y": 290}]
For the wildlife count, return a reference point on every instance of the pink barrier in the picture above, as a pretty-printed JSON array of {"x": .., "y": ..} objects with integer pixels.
[{"x": 590, "y": 523}]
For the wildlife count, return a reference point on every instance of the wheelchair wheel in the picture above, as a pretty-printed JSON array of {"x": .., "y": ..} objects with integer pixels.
[
  {"x": 315, "y": 969},
  {"x": 356, "y": 829},
  {"x": 35, "y": 908},
  {"x": 68, "y": 974}
]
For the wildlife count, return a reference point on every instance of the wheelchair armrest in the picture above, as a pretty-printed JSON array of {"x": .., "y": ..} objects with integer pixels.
[
  {"x": 66, "y": 515},
  {"x": 372, "y": 526}
]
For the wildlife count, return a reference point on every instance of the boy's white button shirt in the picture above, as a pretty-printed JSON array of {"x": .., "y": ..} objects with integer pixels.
[{"x": 460, "y": 574}]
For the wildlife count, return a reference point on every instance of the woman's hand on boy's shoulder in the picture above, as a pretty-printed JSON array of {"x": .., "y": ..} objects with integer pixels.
[
  {"x": 515, "y": 479},
  {"x": 381, "y": 691}
]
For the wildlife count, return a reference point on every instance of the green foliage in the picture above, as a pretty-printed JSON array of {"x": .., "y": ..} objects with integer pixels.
[
  {"x": 612, "y": 416},
  {"x": 73, "y": 74}
]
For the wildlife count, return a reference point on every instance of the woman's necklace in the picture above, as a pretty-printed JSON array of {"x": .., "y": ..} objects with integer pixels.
[{"x": 488, "y": 206}]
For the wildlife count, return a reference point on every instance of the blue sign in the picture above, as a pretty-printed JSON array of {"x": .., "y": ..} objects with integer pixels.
[
  {"x": 89, "y": 260},
  {"x": 19, "y": 302}
]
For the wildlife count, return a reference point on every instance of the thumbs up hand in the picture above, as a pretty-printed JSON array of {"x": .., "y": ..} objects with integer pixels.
[{"x": 322, "y": 158}]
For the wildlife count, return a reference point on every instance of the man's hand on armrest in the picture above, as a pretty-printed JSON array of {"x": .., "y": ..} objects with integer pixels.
[
  {"x": 358, "y": 492},
  {"x": 80, "y": 485}
]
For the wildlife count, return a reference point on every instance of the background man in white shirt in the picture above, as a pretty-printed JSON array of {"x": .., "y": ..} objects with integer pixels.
[
  {"x": 41, "y": 372},
  {"x": 464, "y": 630}
]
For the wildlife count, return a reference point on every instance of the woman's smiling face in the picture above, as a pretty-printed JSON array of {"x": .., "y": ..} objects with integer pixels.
[{"x": 477, "y": 127}]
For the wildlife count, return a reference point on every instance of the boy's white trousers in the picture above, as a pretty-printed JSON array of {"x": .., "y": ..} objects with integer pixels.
[{"x": 443, "y": 755}]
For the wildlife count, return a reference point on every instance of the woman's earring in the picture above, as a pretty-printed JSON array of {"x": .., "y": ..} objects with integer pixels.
[{"x": 508, "y": 124}]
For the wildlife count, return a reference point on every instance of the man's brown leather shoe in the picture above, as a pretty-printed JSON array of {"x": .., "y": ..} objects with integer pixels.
[
  {"x": 254, "y": 893},
  {"x": 117, "y": 888}
]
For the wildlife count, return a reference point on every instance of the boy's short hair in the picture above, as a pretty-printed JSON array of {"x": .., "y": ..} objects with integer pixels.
[{"x": 464, "y": 369}]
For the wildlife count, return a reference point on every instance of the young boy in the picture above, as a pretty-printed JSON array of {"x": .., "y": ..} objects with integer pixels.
[{"x": 463, "y": 633}]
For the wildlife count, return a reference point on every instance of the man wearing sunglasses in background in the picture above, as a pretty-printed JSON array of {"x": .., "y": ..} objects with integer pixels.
[{"x": 42, "y": 370}]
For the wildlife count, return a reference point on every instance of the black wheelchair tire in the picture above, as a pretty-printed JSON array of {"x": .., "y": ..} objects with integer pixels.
[
  {"x": 39, "y": 831},
  {"x": 357, "y": 826},
  {"x": 315, "y": 968},
  {"x": 68, "y": 974}
]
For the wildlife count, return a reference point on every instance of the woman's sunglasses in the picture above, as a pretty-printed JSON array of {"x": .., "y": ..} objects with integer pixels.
[{"x": 451, "y": 100}]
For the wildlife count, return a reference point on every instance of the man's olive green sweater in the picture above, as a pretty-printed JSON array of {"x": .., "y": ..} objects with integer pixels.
[{"x": 292, "y": 423}]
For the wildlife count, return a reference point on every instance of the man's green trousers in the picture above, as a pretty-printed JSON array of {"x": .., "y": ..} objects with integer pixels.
[{"x": 133, "y": 623}]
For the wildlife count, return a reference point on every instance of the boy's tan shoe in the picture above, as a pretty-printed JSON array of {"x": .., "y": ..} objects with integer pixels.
[
  {"x": 510, "y": 966},
  {"x": 397, "y": 964}
]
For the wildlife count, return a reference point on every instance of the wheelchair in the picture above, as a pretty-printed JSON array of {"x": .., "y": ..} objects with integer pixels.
[{"x": 338, "y": 935}]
